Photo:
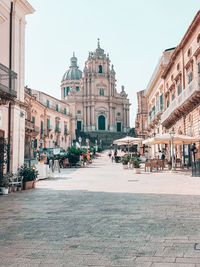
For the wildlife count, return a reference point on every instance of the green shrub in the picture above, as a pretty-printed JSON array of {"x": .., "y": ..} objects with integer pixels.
[
  {"x": 125, "y": 159},
  {"x": 136, "y": 162},
  {"x": 99, "y": 149},
  {"x": 28, "y": 173}
]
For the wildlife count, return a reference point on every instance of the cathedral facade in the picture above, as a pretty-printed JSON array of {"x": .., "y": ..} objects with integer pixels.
[{"x": 95, "y": 104}]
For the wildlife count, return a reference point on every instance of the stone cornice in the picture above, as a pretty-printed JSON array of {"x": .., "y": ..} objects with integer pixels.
[
  {"x": 26, "y": 6},
  {"x": 184, "y": 40}
]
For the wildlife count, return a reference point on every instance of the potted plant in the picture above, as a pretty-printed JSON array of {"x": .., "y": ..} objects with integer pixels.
[
  {"x": 4, "y": 184},
  {"x": 125, "y": 160},
  {"x": 29, "y": 175},
  {"x": 136, "y": 165}
]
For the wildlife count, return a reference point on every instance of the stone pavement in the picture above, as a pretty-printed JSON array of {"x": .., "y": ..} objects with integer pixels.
[{"x": 103, "y": 215}]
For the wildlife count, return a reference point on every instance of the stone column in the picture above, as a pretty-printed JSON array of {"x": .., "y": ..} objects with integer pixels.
[
  {"x": 88, "y": 117},
  {"x": 128, "y": 118},
  {"x": 92, "y": 118},
  {"x": 110, "y": 113},
  {"x": 84, "y": 117}
]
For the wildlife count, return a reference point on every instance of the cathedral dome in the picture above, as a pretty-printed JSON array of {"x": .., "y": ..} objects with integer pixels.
[{"x": 73, "y": 73}]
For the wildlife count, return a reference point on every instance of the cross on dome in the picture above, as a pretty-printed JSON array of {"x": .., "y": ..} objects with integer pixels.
[{"x": 98, "y": 43}]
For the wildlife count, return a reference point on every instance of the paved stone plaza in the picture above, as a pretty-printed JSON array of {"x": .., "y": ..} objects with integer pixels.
[{"x": 103, "y": 215}]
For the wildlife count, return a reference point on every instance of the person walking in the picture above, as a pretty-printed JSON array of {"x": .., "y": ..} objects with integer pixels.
[
  {"x": 57, "y": 164},
  {"x": 51, "y": 164},
  {"x": 160, "y": 155}
]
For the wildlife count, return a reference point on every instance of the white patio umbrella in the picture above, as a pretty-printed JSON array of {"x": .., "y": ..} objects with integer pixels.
[
  {"x": 172, "y": 139},
  {"x": 128, "y": 140},
  {"x": 178, "y": 139}
]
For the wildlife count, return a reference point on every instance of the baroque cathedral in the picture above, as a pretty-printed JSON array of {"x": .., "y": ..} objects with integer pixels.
[{"x": 97, "y": 109}]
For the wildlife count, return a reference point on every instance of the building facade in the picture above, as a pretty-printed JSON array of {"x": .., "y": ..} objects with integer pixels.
[
  {"x": 48, "y": 122},
  {"x": 12, "y": 50},
  {"x": 95, "y": 104},
  {"x": 142, "y": 115},
  {"x": 173, "y": 95}
]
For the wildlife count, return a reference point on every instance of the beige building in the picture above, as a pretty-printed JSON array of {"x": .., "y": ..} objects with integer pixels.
[
  {"x": 12, "y": 50},
  {"x": 48, "y": 122},
  {"x": 97, "y": 108},
  {"x": 173, "y": 96}
]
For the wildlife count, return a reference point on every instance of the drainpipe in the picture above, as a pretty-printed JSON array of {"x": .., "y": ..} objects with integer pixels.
[{"x": 10, "y": 85}]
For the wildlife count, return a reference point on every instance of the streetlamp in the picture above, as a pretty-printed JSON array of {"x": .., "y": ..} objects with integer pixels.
[
  {"x": 96, "y": 145},
  {"x": 80, "y": 140},
  {"x": 172, "y": 148}
]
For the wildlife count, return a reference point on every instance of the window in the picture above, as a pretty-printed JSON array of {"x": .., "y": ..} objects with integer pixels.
[
  {"x": 56, "y": 107},
  {"x": 78, "y": 111},
  {"x": 119, "y": 127},
  {"x": 47, "y": 103},
  {"x": 35, "y": 143},
  {"x": 161, "y": 102},
  {"x": 33, "y": 120},
  {"x": 198, "y": 38},
  {"x": 190, "y": 77},
  {"x": 79, "y": 125},
  {"x": 157, "y": 105},
  {"x": 64, "y": 92},
  {"x": 100, "y": 69},
  {"x": 199, "y": 73},
  {"x": 167, "y": 103},
  {"x": 118, "y": 114},
  {"x": 57, "y": 126},
  {"x": 65, "y": 111},
  {"x": 48, "y": 123},
  {"x": 179, "y": 88},
  {"x": 77, "y": 88},
  {"x": 41, "y": 127},
  {"x": 101, "y": 91},
  {"x": 173, "y": 96},
  {"x": 65, "y": 131},
  {"x": 68, "y": 90}
]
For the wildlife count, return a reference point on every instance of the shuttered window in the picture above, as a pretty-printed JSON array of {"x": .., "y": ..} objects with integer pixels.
[
  {"x": 48, "y": 123},
  {"x": 179, "y": 88},
  {"x": 42, "y": 127},
  {"x": 47, "y": 103},
  {"x": 161, "y": 102}
]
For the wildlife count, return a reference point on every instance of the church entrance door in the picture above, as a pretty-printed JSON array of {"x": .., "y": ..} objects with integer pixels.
[{"x": 101, "y": 123}]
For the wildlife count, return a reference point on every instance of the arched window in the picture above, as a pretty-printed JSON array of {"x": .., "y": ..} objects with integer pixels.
[
  {"x": 100, "y": 69},
  {"x": 101, "y": 123},
  {"x": 101, "y": 91}
]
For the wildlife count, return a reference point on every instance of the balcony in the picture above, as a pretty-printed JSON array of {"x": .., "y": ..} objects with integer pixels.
[
  {"x": 181, "y": 105},
  {"x": 155, "y": 118},
  {"x": 8, "y": 81},
  {"x": 53, "y": 107},
  {"x": 30, "y": 128},
  {"x": 58, "y": 130}
]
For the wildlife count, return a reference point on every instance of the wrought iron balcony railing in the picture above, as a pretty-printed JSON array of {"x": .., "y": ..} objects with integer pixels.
[{"x": 8, "y": 82}]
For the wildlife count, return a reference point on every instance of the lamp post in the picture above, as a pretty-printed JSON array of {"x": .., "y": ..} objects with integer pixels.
[
  {"x": 172, "y": 148},
  {"x": 96, "y": 145}
]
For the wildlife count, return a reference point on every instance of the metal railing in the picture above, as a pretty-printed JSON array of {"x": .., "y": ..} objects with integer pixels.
[
  {"x": 29, "y": 125},
  {"x": 8, "y": 81},
  {"x": 178, "y": 101},
  {"x": 53, "y": 107},
  {"x": 58, "y": 130}
]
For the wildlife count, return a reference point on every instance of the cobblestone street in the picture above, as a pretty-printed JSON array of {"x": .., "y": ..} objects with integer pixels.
[{"x": 103, "y": 215}]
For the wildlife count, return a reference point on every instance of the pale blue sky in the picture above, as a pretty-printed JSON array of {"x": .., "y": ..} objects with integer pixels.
[{"x": 134, "y": 33}]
